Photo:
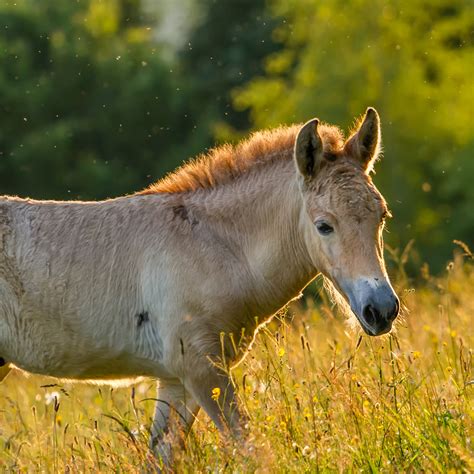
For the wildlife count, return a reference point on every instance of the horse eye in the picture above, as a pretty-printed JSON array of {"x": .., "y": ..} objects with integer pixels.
[{"x": 324, "y": 228}]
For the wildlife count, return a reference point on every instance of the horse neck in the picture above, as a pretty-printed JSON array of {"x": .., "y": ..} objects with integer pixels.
[{"x": 260, "y": 217}]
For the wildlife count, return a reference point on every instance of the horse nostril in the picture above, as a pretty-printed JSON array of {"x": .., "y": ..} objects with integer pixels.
[{"x": 370, "y": 315}]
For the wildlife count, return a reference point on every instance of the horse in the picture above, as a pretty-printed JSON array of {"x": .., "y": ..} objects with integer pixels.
[{"x": 173, "y": 282}]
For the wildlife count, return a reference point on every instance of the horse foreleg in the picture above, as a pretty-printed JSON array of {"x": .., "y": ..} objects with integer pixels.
[
  {"x": 214, "y": 391},
  {"x": 175, "y": 412}
]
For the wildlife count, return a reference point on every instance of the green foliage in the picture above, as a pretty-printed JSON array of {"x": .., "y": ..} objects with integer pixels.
[
  {"x": 90, "y": 106},
  {"x": 87, "y": 103},
  {"x": 412, "y": 60},
  {"x": 224, "y": 51}
]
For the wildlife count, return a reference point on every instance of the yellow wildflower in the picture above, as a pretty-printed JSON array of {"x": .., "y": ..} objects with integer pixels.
[
  {"x": 281, "y": 352},
  {"x": 216, "y": 391}
]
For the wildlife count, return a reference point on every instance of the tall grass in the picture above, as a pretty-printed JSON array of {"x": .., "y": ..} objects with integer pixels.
[{"x": 320, "y": 398}]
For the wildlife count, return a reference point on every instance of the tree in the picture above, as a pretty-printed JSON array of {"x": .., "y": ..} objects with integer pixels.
[
  {"x": 224, "y": 50},
  {"x": 88, "y": 107},
  {"x": 93, "y": 106}
]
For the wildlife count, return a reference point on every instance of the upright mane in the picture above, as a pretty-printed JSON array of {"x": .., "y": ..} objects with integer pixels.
[{"x": 226, "y": 163}]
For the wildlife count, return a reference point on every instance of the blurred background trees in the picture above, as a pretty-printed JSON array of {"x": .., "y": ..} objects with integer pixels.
[{"x": 101, "y": 97}]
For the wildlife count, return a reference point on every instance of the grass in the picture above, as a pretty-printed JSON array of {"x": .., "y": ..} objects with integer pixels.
[{"x": 320, "y": 397}]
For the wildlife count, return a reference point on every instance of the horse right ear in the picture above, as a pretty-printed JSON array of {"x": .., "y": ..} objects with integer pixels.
[{"x": 308, "y": 149}]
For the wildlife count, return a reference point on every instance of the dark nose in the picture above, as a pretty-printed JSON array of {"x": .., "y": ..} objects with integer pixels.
[{"x": 379, "y": 316}]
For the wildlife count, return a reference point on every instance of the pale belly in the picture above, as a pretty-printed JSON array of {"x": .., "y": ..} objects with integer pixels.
[
  {"x": 95, "y": 366},
  {"x": 58, "y": 348}
]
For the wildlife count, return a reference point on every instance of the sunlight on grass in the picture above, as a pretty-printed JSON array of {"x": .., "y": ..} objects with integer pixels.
[{"x": 318, "y": 396}]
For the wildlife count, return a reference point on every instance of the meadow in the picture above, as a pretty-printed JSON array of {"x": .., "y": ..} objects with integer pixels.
[{"x": 320, "y": 396}]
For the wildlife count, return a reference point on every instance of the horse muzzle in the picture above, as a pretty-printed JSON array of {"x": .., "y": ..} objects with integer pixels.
[{"x": 374, "y": 303}]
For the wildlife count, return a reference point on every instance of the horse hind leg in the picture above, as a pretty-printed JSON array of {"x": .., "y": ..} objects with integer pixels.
[
  {"x": 9, "y": 309},
  {"x": 175, "y": 412}
]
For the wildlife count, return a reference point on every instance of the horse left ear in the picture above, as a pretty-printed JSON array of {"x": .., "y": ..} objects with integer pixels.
[{"x": 365, "y": 143}]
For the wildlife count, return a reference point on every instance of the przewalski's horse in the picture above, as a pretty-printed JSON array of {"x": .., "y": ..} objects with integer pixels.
[{"x": 145, "y": 285}]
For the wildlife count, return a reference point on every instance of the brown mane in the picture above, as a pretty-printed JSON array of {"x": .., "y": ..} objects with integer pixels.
[{"x": 225, "y": 163}]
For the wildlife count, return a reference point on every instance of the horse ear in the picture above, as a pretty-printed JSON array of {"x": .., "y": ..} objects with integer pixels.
[
  {"x": 308, "y": 149},
  {"x": 365, "y": 143}
]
